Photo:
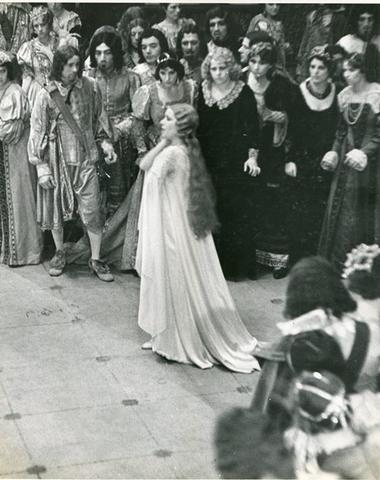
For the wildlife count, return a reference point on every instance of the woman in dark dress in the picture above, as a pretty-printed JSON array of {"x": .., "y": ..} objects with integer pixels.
[
  {"x": 353, "y": 210},
  {"x": 273, "y": 90},
  {"x": 229, "y": 133},
  {"x": 312, "y": 127}
]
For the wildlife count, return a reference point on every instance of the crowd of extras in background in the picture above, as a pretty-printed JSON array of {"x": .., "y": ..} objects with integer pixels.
[{"x": 195, "y": 148}]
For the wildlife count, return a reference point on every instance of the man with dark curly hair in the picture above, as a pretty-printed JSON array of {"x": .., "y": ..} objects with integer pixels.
[{"x": 118, "y": 85}]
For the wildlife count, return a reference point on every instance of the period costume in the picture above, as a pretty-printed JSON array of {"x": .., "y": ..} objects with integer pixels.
[
  {"x": 117, "y": 89},
  {"x": 120, "y": 235},
  {"x": 148, "y": 107},
  {"x": 275, "y": 29},
  {"x": 352, "y": 215},
  {"x": 272, "y": 242},
  {"x": 357, "y": 338},
  {"x": 312, "y": 126},
  {"x": 18, "y": 16},
  {"x": 171, "y": 32},
  {"x": 353, "y": 44},
  {"x": 228, "y": 129},
  {"x": 323, "y": 26},
  {"x": 145, "y": 73},
  {"x": 193, "y": 71},
  {"x": 20, "y": 237},
  {"x": 185, "y": 304},
  {"x": 57, "y": 150},
  {"x": 35, "y": 60}
]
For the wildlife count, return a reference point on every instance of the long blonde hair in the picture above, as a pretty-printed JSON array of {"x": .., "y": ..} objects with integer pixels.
[{"x": 201, "y": 195}]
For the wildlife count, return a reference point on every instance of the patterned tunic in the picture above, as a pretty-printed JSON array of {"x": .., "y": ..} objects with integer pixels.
[
  {"x": 57, "y": 151},
  {"x": 20, "y": 237}
]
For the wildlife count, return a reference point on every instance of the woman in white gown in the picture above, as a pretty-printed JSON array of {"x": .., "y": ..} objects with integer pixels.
[{"x": 185, "y": 303}]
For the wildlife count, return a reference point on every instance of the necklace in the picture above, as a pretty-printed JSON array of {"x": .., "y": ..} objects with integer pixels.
[
  {"x": 352, "y": 113},
  {"x": 318, "y": 95}
]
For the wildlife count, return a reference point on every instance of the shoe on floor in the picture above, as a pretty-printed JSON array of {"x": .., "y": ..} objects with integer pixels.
[
  {"x": 57, "y": 263},
  {"x": 101, "y": 270},
  {"x": 147, "y": 345}
]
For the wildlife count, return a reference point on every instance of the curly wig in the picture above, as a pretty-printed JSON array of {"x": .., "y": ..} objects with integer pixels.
[
  {"x": 61, "y": 57},
  {"x": 354, "y": 13},
  {"x": 201, "y": 196},
  {"x": 153, "y": 32},
  {"x": 222, "y": 55},
  {"x": 191, "y": 28},
  {"x": 125, "y": 32},
  {"x": 112, "y": 39},
  {"x": 314, "y": 283}
]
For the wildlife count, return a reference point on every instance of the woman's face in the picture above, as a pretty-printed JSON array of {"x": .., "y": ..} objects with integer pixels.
[
  {"x": 219, "y": 72},
  {"x": 169, "y": 129},
  {"x": 352, "y": 75},
  {"x": 168, "y": 77},
  {"x": 258, "y": 67},
  {"x": 151, "y": 50},
  {"x": 41, "y": 28},
  {"x": 244, "y": 50},
  {"x": 3, "y": 75},
  {"x": 272, "y": 9},
  {"x": 318, "y": 71},
  {"x": 135, "y": 35},
  {"x": 173, "y": 12}
]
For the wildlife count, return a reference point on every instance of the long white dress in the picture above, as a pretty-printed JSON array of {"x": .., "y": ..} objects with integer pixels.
[{"x": 185, "y": 303}]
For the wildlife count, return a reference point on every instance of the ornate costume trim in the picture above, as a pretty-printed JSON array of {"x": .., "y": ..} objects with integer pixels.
[
  {"x": 372, "y": 98},
  {"x": 314, "y": 103},
  {"x": 225, "y": 101},
  {"x": 360, "y": 259}
]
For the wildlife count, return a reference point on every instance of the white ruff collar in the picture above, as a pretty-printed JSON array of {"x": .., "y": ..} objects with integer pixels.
[{"x": 314, "y": 103}]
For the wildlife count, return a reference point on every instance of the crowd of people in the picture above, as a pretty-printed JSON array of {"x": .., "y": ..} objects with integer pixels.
[{"x": 191, "y": 156}]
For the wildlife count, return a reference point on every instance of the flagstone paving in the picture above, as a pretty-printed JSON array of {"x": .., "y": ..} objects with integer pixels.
[{"x": 79, "y": 398}]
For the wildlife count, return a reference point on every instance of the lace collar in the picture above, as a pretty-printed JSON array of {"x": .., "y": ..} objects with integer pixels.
[
  {"x": 225, "y": 101},
  {"x": 314, "y": 103},
  {"x": 372, "y": 97}
]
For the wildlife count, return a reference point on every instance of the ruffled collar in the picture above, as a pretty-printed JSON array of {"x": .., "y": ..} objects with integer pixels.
[
  {"x": 314, "y": 103},
  {"x": 372, "y": 97},
  {"x": 225, "y": 101},
  {"x": 314, "y": 320}
]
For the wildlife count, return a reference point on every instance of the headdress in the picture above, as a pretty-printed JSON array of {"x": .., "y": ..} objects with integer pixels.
[
  {"x": 164, "y": 57},
  {"x": 360, "y": 259},
  {"x": 320, "y": 51},
  {"x": 37, "y": 12},
  {"x": 259, "y": 47},
  {"x": 4, "y": 57},
  {"x": 321, "y": 396}
]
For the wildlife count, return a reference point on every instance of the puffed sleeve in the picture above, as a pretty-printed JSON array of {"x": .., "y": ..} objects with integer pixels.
[
  {"x": 141, "y": 103},
  {"x": 134, "y": 82},
  {"x": 25, "y": 59},
  {"x": 372, "y": 146},
  {"x": 14, "y": 113},
  {"x": 38, "y": 145}
]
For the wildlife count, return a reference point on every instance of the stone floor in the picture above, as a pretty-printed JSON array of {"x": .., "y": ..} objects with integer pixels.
[{"x": 80, "y": 399}]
